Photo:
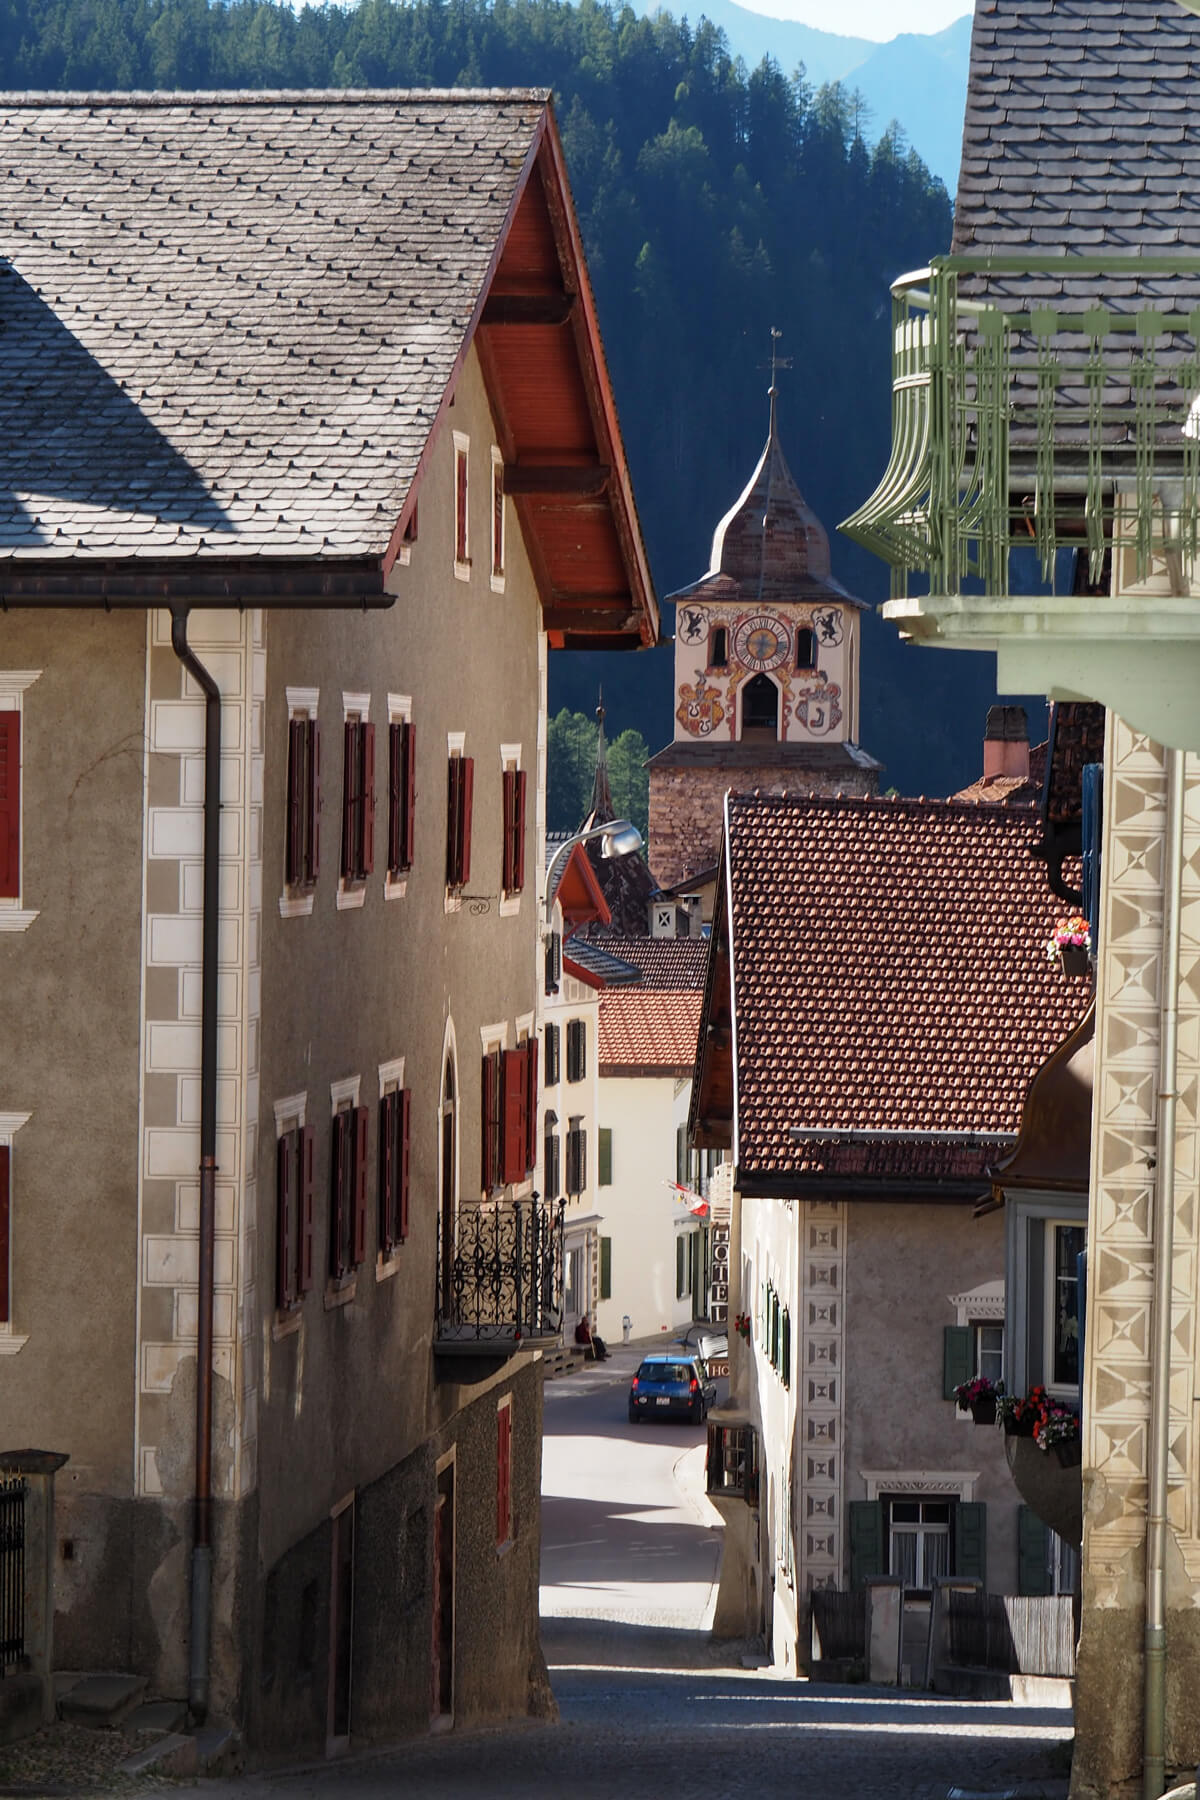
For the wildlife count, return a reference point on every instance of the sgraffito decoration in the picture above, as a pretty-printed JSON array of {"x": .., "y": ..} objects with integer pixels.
[
  {"x": 827, "y": 626},
  {"x": 700, "y": 710},
  {"x": 691, "y": 625}
]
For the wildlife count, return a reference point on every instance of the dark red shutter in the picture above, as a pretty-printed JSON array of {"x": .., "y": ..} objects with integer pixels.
[
  {"x": 361, "y": 1128},
  {"x": 395, "y": 791},
  {"x": 408, "y": 797},
  {"x": 487, "y": 1125},
  {"x": 284, "y": 1292},
  {"x": 337, "y": 1192},
  {"x": 314, "y": 799},
  {"x": 387, "y": 1172},
  {"x": 465, "y": 806},
  {"x": 460, "y": 506},
  {"x": 307, "y": 1205},
  {"x": 531, "y": 1102},
  {"x": 453, "y": 788},
  {"x": 297, "y": 730},
  {"x": 514, "y": 1096},
  {"x": 404, "y": 1097},
  {"x": 5, "y": 1213},
  {"x": 367, "y": 864},
  {"x": 10, "y": 805},
  {"x": 503, "y": 1474},
  {"x": 509, "y": 784},
  {"x": 350, "y": 783},
  {"x": 518, "y": 880}
]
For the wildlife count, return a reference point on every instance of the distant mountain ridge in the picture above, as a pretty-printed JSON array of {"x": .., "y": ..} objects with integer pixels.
[{"x": 920, "y": 80}]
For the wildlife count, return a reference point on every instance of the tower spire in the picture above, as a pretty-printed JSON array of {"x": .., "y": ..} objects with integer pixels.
[{"x": 602, "y": 805}]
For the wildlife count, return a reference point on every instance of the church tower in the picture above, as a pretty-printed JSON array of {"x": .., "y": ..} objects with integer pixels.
[{"x": 766, "y": 675}]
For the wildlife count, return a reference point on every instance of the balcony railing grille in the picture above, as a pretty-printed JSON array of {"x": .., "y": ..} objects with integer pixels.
[
  {"x": 503, "y": 1280},
  {"x": 1050, "y": 403}
]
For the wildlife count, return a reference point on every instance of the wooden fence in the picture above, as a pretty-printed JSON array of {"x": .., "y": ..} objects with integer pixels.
[
  {"x": 839, "y": 1625},
  {"x": 1016, "y": 1635}
]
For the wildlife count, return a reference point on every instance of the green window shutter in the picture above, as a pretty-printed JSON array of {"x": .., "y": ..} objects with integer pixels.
[
  {"x": 680, "y": 1249},
  {"x": 606, "y": 1156},
  {"x": 958, "y": 1358},
  {"x": 606, "y": 1268},
  {"x": 1033, "y": 1544},
  {"x": 866, "y": 1541},
  {"x": 970, "y": 1539}
]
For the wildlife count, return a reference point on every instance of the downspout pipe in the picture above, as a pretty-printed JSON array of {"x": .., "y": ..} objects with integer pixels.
[
  {"x": 1154, "y": 1703},
  {"x": 201, "y": 1561}
]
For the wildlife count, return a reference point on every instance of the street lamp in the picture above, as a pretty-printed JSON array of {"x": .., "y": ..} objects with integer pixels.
[{"x": 617, "y": 838}]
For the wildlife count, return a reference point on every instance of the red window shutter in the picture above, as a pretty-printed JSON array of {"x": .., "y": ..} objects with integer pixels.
[
  {"x": 503, "y": 1474},
  {"x": 387, "y": 1172},
  {"x": 10, "y": 805},
  {"x": 531, "y": 1102},
  {"x": 284, "y": 1290},
  {"x": 395, "y": 797},
  {"x": 297, "y": 733},
  {"x": 404, "y": 1097},
  {"x": 518, "y": 872},
  {"x": 514, "y": 1087},
  {"x": 460, "y": 506},
  {"x": 468, "y": 794},
  {"x": 308, "y": 1166},
  {"x": 453, "y": 791},
  {"x": 361, "y": 1128},
  {"x": 350, "y": 791},
  {"x": 508, "y": 787},
  {"x": 337, "y": 1194},
  {"x": 408, "y": 796},
  {"x": 314, "y": 799},
  {"x": 5, "y": 1214},
  {"x": 367, "y": 863},
  {"x": 487, "y": 1125}
]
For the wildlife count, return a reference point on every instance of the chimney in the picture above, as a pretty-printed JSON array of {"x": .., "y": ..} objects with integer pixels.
[{"x": 1006, "y": 743}]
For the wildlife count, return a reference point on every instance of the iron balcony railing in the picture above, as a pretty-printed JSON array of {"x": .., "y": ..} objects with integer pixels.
[
  {"x": 500, "y": 1283},
  {"x": 1039, "y": 401}
]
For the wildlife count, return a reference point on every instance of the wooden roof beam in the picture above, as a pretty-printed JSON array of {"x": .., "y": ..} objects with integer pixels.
[
  {"x": 528, "y": 309},
  {"x": 570, "y": 480}
]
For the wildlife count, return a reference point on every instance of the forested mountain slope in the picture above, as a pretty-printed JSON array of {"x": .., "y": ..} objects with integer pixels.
[{"x": 715, "y": 203}]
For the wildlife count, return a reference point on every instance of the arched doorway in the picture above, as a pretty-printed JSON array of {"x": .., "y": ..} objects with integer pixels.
[{"x": 760, "y": 708}]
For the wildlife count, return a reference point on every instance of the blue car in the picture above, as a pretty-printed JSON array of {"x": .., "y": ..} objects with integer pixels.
[{"x": 667, "y": 1386}]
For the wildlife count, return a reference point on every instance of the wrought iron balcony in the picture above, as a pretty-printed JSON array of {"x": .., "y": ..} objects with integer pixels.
[
  {"x": 1050, "y": 403},
  {"x": 500, "y": 1283}
]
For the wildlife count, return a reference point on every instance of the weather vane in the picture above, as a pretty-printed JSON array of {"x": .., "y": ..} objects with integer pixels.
[{"x": 777, "y": 362}]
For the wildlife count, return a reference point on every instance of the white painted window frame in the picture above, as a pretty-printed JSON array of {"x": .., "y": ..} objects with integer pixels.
[{"x": 14, "y": 915}]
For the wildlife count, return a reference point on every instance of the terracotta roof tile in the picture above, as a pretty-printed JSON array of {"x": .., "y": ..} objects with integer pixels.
[
  {"x": 891, "y": 976},
  {"x": 648, "y": 1030}
]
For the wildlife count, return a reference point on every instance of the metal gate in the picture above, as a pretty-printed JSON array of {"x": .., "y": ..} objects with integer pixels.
[{"x": 12, "y": 1571}]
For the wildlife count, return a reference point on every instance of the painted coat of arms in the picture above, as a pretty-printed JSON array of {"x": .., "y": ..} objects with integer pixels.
[
  {"x": 700, "y": 710},
  {"x": 819, "y": 710}
]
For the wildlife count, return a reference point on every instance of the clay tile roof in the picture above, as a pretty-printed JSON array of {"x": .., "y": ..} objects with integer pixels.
[
  {"x": 651, "y": 1032},
  {"x": 664, "y": 962},
  {"x": 256, "y": 302},
  {"x": 891, "y": 978}
]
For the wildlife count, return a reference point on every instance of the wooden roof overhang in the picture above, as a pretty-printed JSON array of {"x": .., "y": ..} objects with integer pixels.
[
  {"x": 1054, "y": 1148},
  {"x": 578, "y": 892},
  {"x": 211, "y": 582},
  {"x": 538, "y": 340}
]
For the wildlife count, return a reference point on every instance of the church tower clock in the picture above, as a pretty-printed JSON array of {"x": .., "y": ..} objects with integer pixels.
[{"x": 766, "y": 675}]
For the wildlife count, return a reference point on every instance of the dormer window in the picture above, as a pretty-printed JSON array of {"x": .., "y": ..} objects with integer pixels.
[
  {"x": 806, "y": 649},
  {"x": 718, "y": 648}
]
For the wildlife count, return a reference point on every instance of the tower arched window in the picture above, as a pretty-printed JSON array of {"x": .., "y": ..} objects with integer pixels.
[
  {"x": 806, "y": 649},
  {"x": 718, "y": 647},
  {"x": 760, "y": 707}
]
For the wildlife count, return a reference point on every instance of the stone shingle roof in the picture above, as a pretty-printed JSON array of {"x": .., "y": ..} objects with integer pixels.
[
  {"x": 1079, "y": 131},
  {"x": 652, "y": 1032},
  {"x": 230, "y": 318},
  {"x": 595, "y": 958},
  {"x": 891, "y": 977},
  {"x": 664, "y": 962}
]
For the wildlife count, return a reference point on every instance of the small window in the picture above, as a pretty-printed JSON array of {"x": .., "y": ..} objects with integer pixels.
[
  {"x": 462, "y": 536},
  {"x": 303, "y": 838},
  {"x": 497, "y": 521},
  {"x": 989, "y": 1351},
  {"x": 553, "y": 962},
  {"x": 806, "y": 649},
  {"x": 553, "y": 1074},
  {"x": 459, "y": 795},
  {"x": 718, "y": 648},
  {"x": 576, "y": 1158},
  {"x": 551, "y": 1157},
  {"x": 10, "y": 1124},
  {"x": 513, "y": 785},
  {"x": 401, "y": 796},
  {"x": 10, "y": 806},
  {"x": 395, "y": 1111},
  {"x": 491, "y": 1121},
  {"x": 1064, "y": 1245},
  {"x": 576, "y": 1049},
  {"x": 358, "y": 799},
  {"x": 294, "y": 1195}
]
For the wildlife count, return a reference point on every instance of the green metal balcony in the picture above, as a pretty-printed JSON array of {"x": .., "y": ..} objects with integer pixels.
[{"x": 1050, "y": 404}]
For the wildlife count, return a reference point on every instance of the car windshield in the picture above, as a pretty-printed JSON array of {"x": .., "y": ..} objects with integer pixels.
[{"x": 650, "y": 1371}]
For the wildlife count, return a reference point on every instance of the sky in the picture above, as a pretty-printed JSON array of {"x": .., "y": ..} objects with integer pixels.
[{"x": 877, "y": 19}]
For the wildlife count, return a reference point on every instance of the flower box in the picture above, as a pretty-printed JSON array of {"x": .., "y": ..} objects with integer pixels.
[
  {"x": 1073, "y": 960},
  {"x": 983, "y": 1410},
  {"x": 1070, "y": 943},
  {"x": 1069, "y": 1452}
]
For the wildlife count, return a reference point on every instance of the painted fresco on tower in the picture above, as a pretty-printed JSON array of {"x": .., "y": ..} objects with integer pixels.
[
  {"x": 700, "y": 710},
  {"x": 762, "y": 641}
]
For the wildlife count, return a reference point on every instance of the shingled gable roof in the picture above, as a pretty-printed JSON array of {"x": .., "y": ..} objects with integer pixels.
[
  {"x": 891, "y": 990},
  {"x": 234, "y": 320}
]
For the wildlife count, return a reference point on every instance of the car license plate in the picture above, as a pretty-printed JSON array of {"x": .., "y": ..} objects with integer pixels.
[{"x": 663, "y": 1400}]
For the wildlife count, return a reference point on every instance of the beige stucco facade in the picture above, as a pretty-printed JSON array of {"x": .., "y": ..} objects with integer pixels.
[{"x": 641, "y": 1212}]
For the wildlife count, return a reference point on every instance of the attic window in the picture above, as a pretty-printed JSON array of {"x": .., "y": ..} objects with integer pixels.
[
  {"x": 462, "y": 536},
  {"x": 806, "y": 650},
  {"x": 718, "y": 648}
]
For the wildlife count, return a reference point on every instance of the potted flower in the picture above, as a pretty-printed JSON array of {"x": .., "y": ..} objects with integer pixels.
[
  {"x": 1070, "y": 944},
  {"x": 742, "y": 1326},
  {"x": 1059, "y": 1431},
  {"x": 979, "y": 1397},
  {"x": 1018, "y": 1415}
]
